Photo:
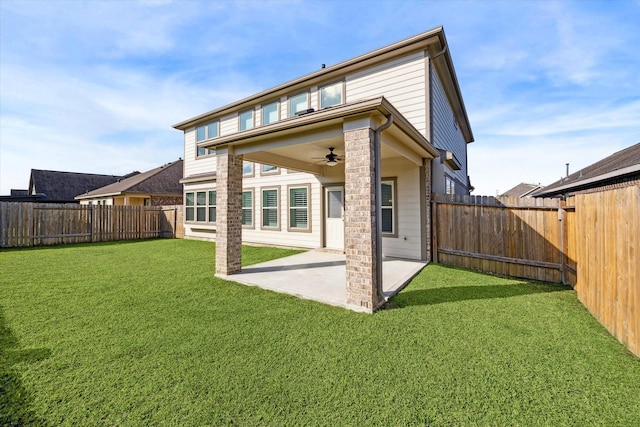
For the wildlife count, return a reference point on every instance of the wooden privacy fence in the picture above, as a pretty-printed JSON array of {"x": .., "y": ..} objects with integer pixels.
[
  {"x": 37, "y": 224},
  {"x": 591, "y": 242},
  {"x": 514, "y": 237},
  {"x": 606, "y": 250}
]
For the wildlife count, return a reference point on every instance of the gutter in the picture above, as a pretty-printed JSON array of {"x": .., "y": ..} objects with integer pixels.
[{"x": 378, "y": 177}]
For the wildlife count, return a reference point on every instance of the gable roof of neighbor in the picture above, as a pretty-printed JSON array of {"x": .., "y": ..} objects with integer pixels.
[
  {"x": 521, "y": 190},
  {"x": 164, "y": 180},
  {"x": 433, "y": 40},
  {"x": 620, "y": 164},
  {"x": 64, "y": 186}
]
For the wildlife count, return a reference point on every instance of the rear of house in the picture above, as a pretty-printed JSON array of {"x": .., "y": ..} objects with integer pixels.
[{"x": 293, "y": 192}]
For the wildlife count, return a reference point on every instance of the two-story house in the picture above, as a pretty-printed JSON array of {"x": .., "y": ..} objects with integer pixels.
[{"x": 344, "y": 158}]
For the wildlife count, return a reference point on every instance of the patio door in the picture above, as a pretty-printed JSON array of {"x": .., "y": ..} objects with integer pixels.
[{"x": 334, "y": 217}]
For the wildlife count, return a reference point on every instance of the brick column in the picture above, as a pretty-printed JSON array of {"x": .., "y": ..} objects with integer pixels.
[
  {"x": 229, "y": 211},
  {"x": 360, "y": 219}
]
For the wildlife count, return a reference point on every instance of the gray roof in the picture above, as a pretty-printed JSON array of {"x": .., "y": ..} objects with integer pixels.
[
  {"x": 521, "y": 190},
  {"x": 618, "y": 165},
  {"x": 163, "y": 180},
  {"x": 65, "y": 186}
]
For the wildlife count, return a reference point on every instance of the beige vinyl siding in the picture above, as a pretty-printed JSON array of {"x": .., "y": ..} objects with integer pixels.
[
  {"x": 446, "y": 136},
  {"x": 284, "y": 107},
  {"x": 313, "y": 98},
  {"x": 312, "y": 239},
  {"x": 229, "y": 124},
  {"x": 407, "y": 209},
  {"x": 402, "y": 81},
  {"x": 193, "y": 165}
]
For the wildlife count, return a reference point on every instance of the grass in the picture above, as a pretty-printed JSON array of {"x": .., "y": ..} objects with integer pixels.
[{"x": 143, "y": 334}]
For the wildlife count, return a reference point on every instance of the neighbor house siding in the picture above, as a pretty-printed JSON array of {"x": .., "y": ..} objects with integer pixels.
[
  {"x": 401, "y": 81},
  {"x": 446, "y": 136}
]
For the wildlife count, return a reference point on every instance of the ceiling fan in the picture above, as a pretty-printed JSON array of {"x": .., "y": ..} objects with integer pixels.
[{"x": 331, "y": 159}]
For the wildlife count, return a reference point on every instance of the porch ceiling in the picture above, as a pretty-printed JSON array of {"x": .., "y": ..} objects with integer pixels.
[{"x": 302, "y": 143}]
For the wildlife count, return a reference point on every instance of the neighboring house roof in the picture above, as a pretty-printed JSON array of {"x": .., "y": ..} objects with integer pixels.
[
  {"x": 163, "y": 180},
  {"x": 621, "y": 165},
  {"x": 521, "y": 190},
  {"x": 434, "y": 41},
  {"x": 65, "y": 186}
]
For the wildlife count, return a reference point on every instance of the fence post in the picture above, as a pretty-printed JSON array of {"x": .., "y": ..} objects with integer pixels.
[
  {"x": 563, "y": 247},
  {"x": 434, "y": 227}
]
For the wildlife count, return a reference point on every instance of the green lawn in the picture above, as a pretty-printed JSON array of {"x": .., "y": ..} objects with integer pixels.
[{"x": 143, "y": 334}]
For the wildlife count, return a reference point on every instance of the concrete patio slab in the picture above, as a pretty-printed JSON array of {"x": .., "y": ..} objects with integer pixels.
[{"x": 321, "y": 276}]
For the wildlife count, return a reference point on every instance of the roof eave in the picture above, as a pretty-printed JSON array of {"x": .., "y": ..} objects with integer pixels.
[
  {"x": 418, "y": 42},
  {"x": 577, "y": 184}
]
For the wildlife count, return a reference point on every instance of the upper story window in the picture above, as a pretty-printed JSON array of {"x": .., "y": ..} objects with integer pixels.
[
  {"x": 247, "y": 168},
  {"x": 207, "y": 131},
  {"x": 269, "y": 169},
  {"x": 331, "y": 95},
  {"x": 270, "y": 113},
  {"x": 204, "y": 132},
  {"x": 298, "y": 103},
  {"x": 449, "y": 186},
  {"x": 246, "y": 120}
]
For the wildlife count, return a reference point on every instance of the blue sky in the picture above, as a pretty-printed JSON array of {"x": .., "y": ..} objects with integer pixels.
[{"x": 90, "y": 86}]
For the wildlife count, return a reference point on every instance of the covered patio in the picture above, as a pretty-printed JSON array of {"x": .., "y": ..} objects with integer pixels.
[
  {"x": 368, "y": 132},
  {"x": 321, "y": 276}
]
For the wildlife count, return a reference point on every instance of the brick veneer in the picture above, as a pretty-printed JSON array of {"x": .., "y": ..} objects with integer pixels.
[
  {"x": 229, "y": 212},
  {"x": 360, "y": 220}
]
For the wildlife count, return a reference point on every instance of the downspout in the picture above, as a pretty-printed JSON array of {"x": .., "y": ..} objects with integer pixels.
[{"x": 378, "y": 185}]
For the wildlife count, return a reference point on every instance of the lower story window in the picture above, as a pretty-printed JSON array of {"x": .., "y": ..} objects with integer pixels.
[
  {"x": 270, "y": 208},
  {"x": 388, "y": 206},
  {"x": 247, "y": 208},
  {"x": 189, "y": 207},
  {"x": 299, "y": 208},
  {"x": 212, "y": 206},
  {"x": 200, "y": 206}
]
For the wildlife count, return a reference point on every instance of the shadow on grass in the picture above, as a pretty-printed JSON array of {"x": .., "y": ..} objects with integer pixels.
[
  {"x": 467, "y": 293},
  {"x": 15, "y": 400},
  {"x": 480, "y": 291}
]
